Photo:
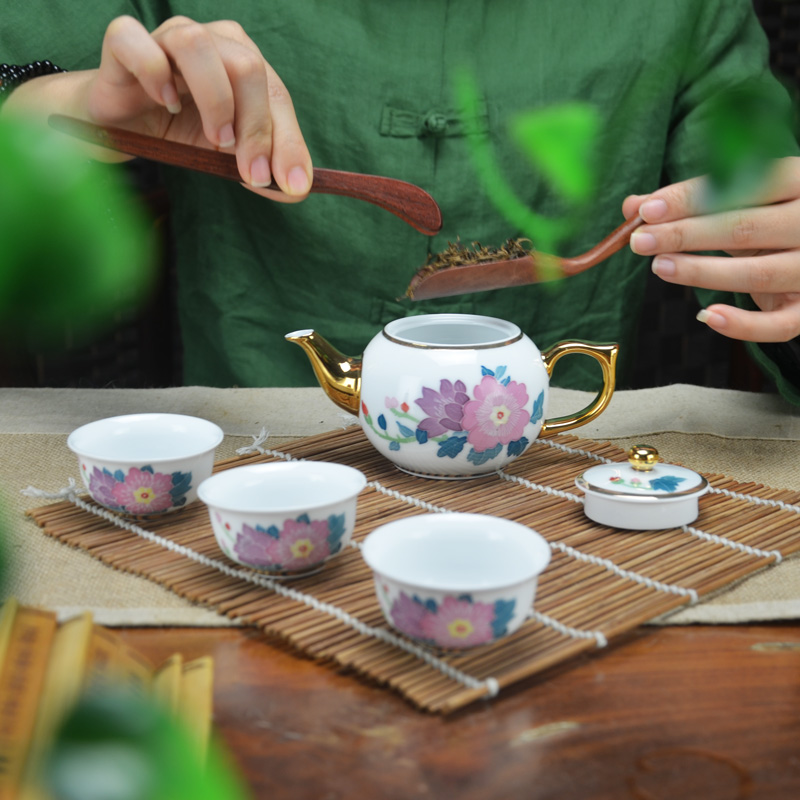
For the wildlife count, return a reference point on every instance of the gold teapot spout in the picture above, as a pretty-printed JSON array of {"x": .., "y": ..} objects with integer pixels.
[{"x": 339, "y": 375}]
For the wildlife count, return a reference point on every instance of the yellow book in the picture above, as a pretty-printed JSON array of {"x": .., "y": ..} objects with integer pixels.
[
  {"x": 167, "y": 683},
  {"x": 196, "y": 701},
  {"x": 44, "y": 669},
  {"x": 63, "y": 680},
  {"x": 8, "y": 614},
  {"x": 26, "y": 639},
  {"x": 112, "y": 662}
]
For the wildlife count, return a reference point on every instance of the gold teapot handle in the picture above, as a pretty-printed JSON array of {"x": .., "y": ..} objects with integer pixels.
[{"x": 606, "y": 356}]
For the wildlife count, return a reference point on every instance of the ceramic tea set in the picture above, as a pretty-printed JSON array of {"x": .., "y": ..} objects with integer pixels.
[{"x": 446, "y": 396}]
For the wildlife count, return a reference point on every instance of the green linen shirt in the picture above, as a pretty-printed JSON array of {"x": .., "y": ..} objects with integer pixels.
[{"x": 373, "y": 88}]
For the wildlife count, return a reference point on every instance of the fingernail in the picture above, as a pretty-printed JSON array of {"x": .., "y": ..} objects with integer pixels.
[
  {"x": 260, "y": 174},
  {"x": 298, "y": 181},
  {"x": 653, "y": 210},
  {"x": 643, "y": 243},
  {"x": 169, "y": 95},
  {"x": 663, "y": 267},
  {"x": 227, "y": 138},
  {"x": 711, "y": 319}
]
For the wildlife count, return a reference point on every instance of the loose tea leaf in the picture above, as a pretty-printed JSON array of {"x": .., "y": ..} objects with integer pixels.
[{"x": 458, "y": 254}]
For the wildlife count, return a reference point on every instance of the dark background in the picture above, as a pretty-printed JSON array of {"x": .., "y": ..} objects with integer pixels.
[{"x": 143, "y": 349}]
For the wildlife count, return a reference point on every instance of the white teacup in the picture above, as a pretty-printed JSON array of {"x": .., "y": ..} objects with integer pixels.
[
  {"x": 456, "y": 580},
  {"x": 145, "y": 464}
]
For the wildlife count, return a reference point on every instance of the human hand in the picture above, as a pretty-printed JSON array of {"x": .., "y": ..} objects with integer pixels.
[
  {"x": 207, "y": 85},
  {"x": 763, "y": 241}
]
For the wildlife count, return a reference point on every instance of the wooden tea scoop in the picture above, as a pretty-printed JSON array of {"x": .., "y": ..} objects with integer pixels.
[
  {"x": 407, "y": 201},
  {"x": 430, "y": 282}
]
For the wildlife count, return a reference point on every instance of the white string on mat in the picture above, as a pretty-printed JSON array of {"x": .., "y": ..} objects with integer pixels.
[
  {"x": 539, "y": 487},
  {"x": 573, "y": 450},
  {"x": 744, "y": 548},
  {"x": 755, "y": 500},
  {"x": 643, "y": 580},
  {"x": 490, "y": 685},
  {"x": 408, "y": 498},
  {"x": 255, "y": 447},
  {"x": 566, "y": 630}
]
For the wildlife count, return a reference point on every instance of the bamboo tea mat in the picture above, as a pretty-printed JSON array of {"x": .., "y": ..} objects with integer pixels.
[{"x": 601, "y": 582}]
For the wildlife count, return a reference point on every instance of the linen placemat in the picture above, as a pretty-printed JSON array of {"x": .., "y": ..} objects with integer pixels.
[{"x": 34, "y": 424}]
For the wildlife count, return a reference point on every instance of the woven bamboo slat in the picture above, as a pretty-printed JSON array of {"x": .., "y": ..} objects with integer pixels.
[{"x": 600, "y": 584}]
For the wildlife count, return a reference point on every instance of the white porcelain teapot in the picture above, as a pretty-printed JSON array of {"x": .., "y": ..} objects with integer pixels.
[{"x": 451, "y": 395}]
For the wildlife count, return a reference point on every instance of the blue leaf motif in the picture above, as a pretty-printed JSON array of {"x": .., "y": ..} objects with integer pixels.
[
  {"x": 382, "y": 422},
  {"x": 271, "y": 531},
  {"x": 451, "y": 446},
  {"x": 666, "y": 483},
  {"x": 304, "y": 519},
  {"x": 422, "y": 436},
  {"x": 119, "y": 475},
  {"x": 517, "y": 448},
  {"x": 335, "y": 531},
  {"x": 394, "y": 445},
  {"x": 503, "y": 611},
  {"x": 149, "y": 469},
  {"x": 181, "y": 483},
  {"x": 404, "y": 429},
  {"x": 486, "y": 371},
  {"x": 430, "y": 603},
  {"x": 486, "y": 455},
  {"x": 538, "y": 408},
  {"x": 500, "y": 371}
]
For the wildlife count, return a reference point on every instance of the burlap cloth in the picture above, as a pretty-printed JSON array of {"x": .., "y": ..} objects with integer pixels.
[{"x": 747, "y": 436}]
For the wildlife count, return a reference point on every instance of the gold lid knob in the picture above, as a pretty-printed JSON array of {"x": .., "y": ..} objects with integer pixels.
[{"x": 643, "y": 457}]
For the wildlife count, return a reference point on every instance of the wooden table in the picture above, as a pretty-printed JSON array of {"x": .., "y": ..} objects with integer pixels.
[{"x": 680, "y": 712}]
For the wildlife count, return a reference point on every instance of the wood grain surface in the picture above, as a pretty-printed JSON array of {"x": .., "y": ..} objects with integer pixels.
[{"x": 680, "y": 712}]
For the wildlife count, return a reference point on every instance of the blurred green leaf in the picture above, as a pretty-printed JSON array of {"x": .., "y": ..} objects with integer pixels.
[
  {"x": 118, "y": 746},
  {"x": 544, "y": 232},
  {"x": 76, "y": 248},
  {"x": 559, "y": 141},
  {"x": 742, "y": 137}
]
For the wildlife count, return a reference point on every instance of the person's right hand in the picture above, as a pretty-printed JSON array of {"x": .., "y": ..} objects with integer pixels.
[{"x": 206, "y": 85}]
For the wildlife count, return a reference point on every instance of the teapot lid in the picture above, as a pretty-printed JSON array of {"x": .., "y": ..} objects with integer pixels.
[{"x": 642, "y": 476}]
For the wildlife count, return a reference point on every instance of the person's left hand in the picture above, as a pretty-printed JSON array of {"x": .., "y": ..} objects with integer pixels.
[{"x": 763, "y": 241}]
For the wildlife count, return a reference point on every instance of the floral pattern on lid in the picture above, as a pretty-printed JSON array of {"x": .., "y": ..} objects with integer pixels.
[{"x": 663, "y": 480}]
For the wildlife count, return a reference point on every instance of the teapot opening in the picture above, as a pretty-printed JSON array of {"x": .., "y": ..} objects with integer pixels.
[{"x": 452, "y": 330}]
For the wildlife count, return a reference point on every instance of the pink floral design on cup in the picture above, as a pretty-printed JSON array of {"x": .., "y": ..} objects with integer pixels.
[
  {"x": 407, "y": 614},
  {"x": 297, "y": 545},
  {"x": 455, "y": 622},
  {"x": 460, "y": 623},
  {"x": 144, "y": 492},
  {"x": 139, "y": 491}
]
